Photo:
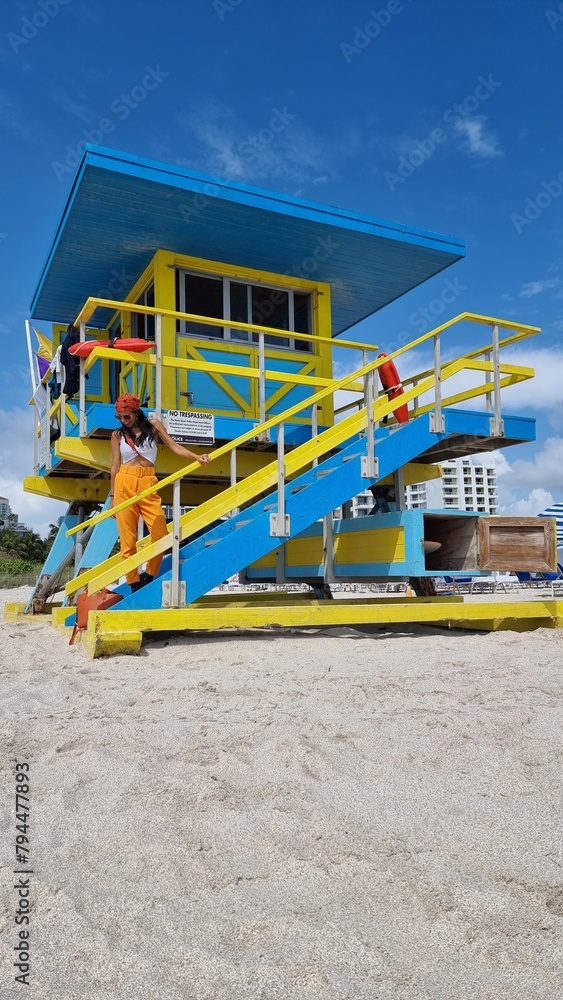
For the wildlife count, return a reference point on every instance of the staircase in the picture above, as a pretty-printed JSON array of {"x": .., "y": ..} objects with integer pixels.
[{"x": 303, "y": 485}]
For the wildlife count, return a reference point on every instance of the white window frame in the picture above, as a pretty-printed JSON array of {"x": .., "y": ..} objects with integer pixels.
[{"x": 242, "y": 336}]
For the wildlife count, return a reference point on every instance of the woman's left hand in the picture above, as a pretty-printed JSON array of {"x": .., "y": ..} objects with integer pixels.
[{"x": 203, "y": 459}]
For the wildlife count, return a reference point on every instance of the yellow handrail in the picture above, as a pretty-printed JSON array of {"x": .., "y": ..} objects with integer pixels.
[{"x": 93, "y": 303}]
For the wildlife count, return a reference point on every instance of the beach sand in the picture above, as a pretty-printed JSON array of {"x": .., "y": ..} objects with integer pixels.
[{"x": 345, "y": 814}]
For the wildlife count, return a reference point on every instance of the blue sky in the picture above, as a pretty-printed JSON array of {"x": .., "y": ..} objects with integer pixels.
[{"x": 467, "y": 91}]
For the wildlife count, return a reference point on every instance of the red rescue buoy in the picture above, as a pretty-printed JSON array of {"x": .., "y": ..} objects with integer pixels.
[
  {"x": 391, "y": 383},
  {"x": 85, "y": 347}
]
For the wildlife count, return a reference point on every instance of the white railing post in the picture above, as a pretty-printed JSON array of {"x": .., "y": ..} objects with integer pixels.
[
  {"x": 314, "y": 427},
  {"x": 82, "y": 388},
  {"x": 497, "y": 423},
  {"x": 46, "y": 429},
  {"x": 158, "y": 367},
  {"x": 416, "y": 398},
  {"x": 62, "y": 416},
  {"x": 437, "y": 424},
  {"x": 36, "y": 422},
  {"x": 265, "y": 435},
  {"x": 488, "y": 395},
  {"x": 279, "y": 523},
  {"x": 233, "y": 476},
  {"x": 370, "y": 464},
  {"x": 78, "y": 545},
  {"x": 175, "y": 575}
]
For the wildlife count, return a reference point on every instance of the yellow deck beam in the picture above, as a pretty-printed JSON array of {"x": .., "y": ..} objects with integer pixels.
[
  {"x": 121, "y": 631},
  {"x": 96, "y": 454},
  {"x": 65, "y": 488}
]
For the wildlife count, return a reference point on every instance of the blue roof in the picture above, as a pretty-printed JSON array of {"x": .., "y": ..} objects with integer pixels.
[{"x": 122, "y": 208}]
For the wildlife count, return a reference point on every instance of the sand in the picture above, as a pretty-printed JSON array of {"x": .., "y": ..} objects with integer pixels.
[{"x": 364, "y": 814}]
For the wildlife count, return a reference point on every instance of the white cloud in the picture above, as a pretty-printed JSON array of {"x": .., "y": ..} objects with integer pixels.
[
  {"x": 545, "y": 472},
  {"x": 16, "y": 462},
  {"x": 537, "y": 501},
  {"x": 476, "y": 139},
  {"x": 538, "y": 287},
  {"x": 288, "y": 150},
  {"x": 543, "y": 392}
]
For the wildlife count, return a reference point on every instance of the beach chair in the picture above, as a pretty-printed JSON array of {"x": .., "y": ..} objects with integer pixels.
[
  {"x": 551, "y": 581},
  {"x": 460, "y": 584}
]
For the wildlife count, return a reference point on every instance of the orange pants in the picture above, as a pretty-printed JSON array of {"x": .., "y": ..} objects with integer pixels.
[{"x": 130, "y": 480}]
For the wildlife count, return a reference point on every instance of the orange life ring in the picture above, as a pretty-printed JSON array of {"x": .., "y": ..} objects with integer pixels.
[
  {"x": 85, "y": 347},
  {"x": 392, "y": 385}
]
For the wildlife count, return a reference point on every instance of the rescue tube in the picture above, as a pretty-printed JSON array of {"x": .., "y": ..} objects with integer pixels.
[
  {"x": 85, "y": 347},
  {"x": 391, "y": 383}
]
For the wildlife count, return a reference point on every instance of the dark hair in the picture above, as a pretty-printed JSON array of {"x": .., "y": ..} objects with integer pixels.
[{"x": 146, "y": 428}]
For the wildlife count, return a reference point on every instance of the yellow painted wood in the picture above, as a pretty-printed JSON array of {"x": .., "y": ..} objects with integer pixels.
[
  {"x": 325, "y": 613},
  {"x": 305, "y": 551},
  {"x": 63, "y": 488},
  {"x": 415, "y": 472},
  {"x": 59, "y": 617},
  {"x": 14, "y": 610},
  {"x": 382, "y": 545},
  {"x": 96, "y": 454},
  {"x": 266, "y": 562},
  {"x": 97, "y": 643}
]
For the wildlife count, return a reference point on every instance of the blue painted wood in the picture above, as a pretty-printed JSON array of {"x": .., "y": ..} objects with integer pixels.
[
  {"x": 123, "y": 208},
  {"x": 60, "y": 548}
]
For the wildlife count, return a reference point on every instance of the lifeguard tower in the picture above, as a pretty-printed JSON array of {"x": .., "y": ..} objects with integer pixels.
[{"x": 235, "y": 296}]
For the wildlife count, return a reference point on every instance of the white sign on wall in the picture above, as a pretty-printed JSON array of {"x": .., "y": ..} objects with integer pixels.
[{"x": 190, "y": 427}]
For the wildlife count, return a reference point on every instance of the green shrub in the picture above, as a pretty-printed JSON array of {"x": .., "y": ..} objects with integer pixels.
[{"x": 18, "y": 573}]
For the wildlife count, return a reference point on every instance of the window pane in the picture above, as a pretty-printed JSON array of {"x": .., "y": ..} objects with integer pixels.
[
  {"x": 203, "y": 296},
  {"x": 302, "y": 319},
  {"x": 270, "y": 306},
  {"x": 239, "y": 308},
  {"x": 142, "y": 325}
]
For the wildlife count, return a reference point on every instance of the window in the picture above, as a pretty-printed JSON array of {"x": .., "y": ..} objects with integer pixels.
[
  {"x": 203, "y": 296},
  {"x": 142, "y": 325},
  {"x": 226, "y": 299}
]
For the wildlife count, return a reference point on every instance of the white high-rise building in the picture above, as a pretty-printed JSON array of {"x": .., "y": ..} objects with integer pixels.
[
  {"x": 470, "y": 484},
  {"x": 466, "y": 484}
]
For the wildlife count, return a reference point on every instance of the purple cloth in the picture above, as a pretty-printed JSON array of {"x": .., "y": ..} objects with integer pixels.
[{"x": 42, "y": 365}]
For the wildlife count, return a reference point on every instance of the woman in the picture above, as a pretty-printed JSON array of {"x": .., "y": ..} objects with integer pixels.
[{"x": 133, "y": 452}]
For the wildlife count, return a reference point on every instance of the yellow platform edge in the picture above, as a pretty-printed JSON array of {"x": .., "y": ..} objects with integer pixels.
[
  {"x": 116, "y": 632},
  {"x": 121, "y": 631}
]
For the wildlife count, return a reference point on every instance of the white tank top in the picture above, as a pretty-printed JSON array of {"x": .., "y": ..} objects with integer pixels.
[{"x": 148, "y": 450}]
